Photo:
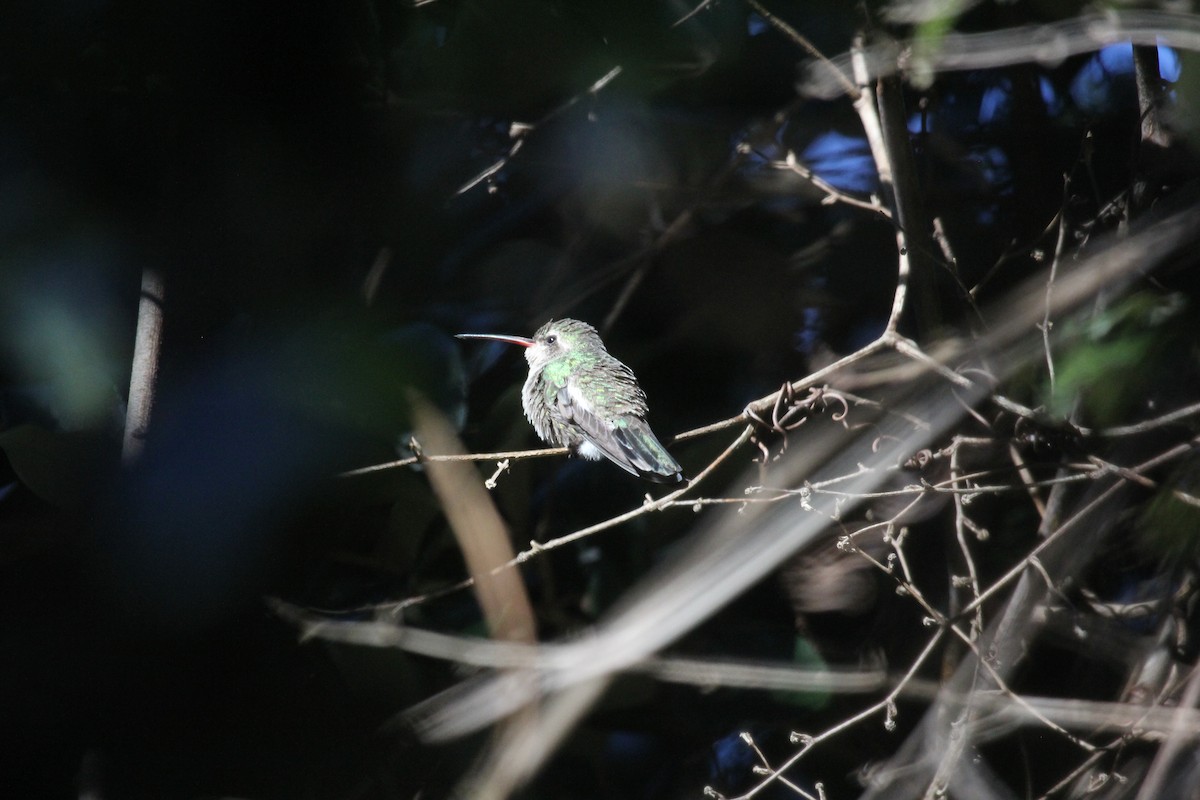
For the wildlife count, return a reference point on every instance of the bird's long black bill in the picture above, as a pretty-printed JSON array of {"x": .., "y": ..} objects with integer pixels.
[{"x": 497, "y": 337}]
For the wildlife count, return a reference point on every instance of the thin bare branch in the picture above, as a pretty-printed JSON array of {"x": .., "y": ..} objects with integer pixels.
[{"x": 143, "y": 376}]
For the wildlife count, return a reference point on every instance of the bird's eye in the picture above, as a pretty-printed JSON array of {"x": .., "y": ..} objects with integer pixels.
[{"x": 551, "y": 339}]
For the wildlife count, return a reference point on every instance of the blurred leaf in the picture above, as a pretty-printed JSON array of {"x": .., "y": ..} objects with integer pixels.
[
  {"x": 1096, "y": 371},
  {"x": 63, "y": 323},
  {"x": 1109, "y": 360},
  {"x": 805, "y": 656},
  {"x": 59, "y": 467},
  {"x": 938, "y": 19},
  {"x": 1169, "y": 525}
]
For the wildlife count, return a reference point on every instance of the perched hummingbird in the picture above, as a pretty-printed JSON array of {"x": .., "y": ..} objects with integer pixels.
[{"x": 579, "y": 396}]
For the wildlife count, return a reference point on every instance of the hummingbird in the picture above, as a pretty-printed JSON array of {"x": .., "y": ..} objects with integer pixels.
[{"x": 578, "y": 396}]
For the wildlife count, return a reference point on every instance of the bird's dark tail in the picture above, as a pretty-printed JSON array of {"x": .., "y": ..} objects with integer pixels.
[{"x": 645, "y": 454}]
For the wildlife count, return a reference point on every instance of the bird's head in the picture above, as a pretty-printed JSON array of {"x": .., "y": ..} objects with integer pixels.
[{"x": 553, "y": 340}]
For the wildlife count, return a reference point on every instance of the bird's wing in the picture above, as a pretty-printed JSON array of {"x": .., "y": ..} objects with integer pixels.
[
  {"x": 627, "y": 441},
  {"x": 576, "y": 409}
]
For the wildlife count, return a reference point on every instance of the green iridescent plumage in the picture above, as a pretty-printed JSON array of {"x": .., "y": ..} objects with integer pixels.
[{"x": 579, "y": 396}]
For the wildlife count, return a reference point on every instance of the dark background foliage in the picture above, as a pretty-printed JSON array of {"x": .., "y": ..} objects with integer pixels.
[{"x": 306, "y": 178}]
